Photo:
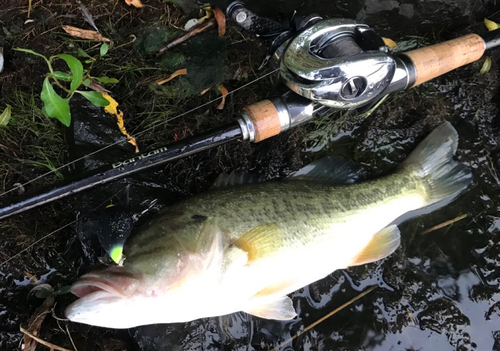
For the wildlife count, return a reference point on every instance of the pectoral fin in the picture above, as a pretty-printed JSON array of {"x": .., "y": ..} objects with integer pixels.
[
  {"x": 382, "y": 245},
  {"x": 280, "y": 309},
  {"x": 260, "y": 241}
]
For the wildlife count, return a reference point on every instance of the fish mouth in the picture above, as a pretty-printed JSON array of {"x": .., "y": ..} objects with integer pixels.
[
  {"x": 99, "y": 288},
  {"x": 115, "y": 281}
]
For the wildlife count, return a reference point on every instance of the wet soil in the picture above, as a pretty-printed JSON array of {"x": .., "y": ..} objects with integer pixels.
[{"x": 440, "y": 290}]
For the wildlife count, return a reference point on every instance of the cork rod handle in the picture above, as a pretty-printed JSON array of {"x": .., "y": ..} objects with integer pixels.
[
  {"x": 265, "y": 119},
  {"x": 432, "y": 61}
]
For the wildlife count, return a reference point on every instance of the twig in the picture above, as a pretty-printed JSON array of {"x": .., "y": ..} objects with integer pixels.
[
  {"x": 411, "y": 317},
  {"x": 445, "y": 224},
  {"x": 43, "y": 342},
  {"x": 367, "y": 291},
  {"x": 70, "y": 338},
  {"x": 179, "y": 72},
  {"x": 195, "y": 31}
]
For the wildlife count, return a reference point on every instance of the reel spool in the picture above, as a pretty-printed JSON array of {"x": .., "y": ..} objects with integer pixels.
[{"x": 337, "y": 63}]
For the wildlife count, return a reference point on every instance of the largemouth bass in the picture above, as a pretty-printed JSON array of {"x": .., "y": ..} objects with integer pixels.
[{"x": 244, "y": 248}]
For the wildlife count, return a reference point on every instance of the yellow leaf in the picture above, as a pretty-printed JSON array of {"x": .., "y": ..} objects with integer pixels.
[
  {"x": 135, "y": 3},
  {"x": 390, "y": 43},
  {"x": 5, "y": 116},
  {"x": 486, "y": 66},
  {"x": 112, "y": 109},
  {"x": 491, "y": 25},
  {"x": 224, "y": 93},
  {"x": 84, "y": 33},
  {"x": 180, "y": 72}
]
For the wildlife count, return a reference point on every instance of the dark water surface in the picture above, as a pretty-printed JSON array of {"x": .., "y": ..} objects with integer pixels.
[{"x": 439, "y": 291}]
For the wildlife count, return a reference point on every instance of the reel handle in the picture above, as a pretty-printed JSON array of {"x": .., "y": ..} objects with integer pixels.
[{"x": 435, "y": 60}]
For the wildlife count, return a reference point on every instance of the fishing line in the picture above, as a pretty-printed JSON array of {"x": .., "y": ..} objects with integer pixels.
[
  {"x": 61, "y": 228},
  {"x": 138, "y": 134}
]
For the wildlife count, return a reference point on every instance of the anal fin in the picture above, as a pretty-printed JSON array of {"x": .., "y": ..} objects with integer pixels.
[
  {"x": 383, "y": 243},
  {"x": 281, "y": 309}
]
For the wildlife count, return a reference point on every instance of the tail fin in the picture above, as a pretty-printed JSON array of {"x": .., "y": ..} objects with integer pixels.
[{"x": 432, "y": 160}]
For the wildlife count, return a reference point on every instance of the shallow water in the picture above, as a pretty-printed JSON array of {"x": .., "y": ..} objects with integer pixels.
[{"x": 438, "y": 291}]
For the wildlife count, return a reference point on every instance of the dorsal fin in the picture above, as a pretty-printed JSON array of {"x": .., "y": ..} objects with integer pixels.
[
  {"x": 330, "y": 169},
  {"x": 235, "y": 178}
]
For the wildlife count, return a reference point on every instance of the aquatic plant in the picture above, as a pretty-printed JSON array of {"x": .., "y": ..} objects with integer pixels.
[{"x": 56, "y": 106}]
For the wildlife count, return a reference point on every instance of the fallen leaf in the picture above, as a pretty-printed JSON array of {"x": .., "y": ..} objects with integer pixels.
[
  {"x": 224, "y": 93},
  {"x": 486, "y": 66},
  {"x": 220, "y": 17},
  {"x": 390, "y": 43},
  {"x": 97, "y": 87},
  {"x": 88, "y": 16},
  {"x": 31, "y": 277},
  {"x": 5, "y": 116},
  {"x": 112, "y": 109},
  {"x": 205, "y": 91},
  {"x": 135, "y": 3},
  {"x": 84, "y": 33},
  {"x": 35, "y": 323},
  {"x": 180, "y": 72},
  {"x": 491, "y": 25}
]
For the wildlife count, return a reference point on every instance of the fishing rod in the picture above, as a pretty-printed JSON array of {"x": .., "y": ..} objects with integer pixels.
[{"x": 327, "y": 64}]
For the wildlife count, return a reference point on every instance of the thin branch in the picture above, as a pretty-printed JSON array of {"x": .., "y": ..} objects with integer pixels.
[
  {"x": 445, "y": 224},
  {"x": 70, "y": 338},
  {"x": 367, "y": 291},
  {"x": 43, "y": 342},
  {"x": 195, "y": 31}
]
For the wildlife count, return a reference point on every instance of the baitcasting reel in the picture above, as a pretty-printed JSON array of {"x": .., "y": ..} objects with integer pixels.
[
  {"x": 340, "y": 64},
  {"x": 335, "y": 62}
]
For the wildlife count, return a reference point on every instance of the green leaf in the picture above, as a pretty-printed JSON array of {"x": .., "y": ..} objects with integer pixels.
[
  {"x": 95, "y": 98},
  {"x": 43, "y": 294},
  {"x": 42, "y": 291},
  {"x": 82, "y": 53},
  {"x": 104, "y": 49},
  {"x": 88, "y": 61},
  {"x": 87, "y": 82},
  {"x": 63, "y": 290},
  {"x": 5, "y": 116},
  {"x": 65, "y": 77},
  {"x": 76, "y": 68},
  {"x": 44, "y": 112},
  {"x": 54, "y": 105},
  {"x": 107, "y": 80}
]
